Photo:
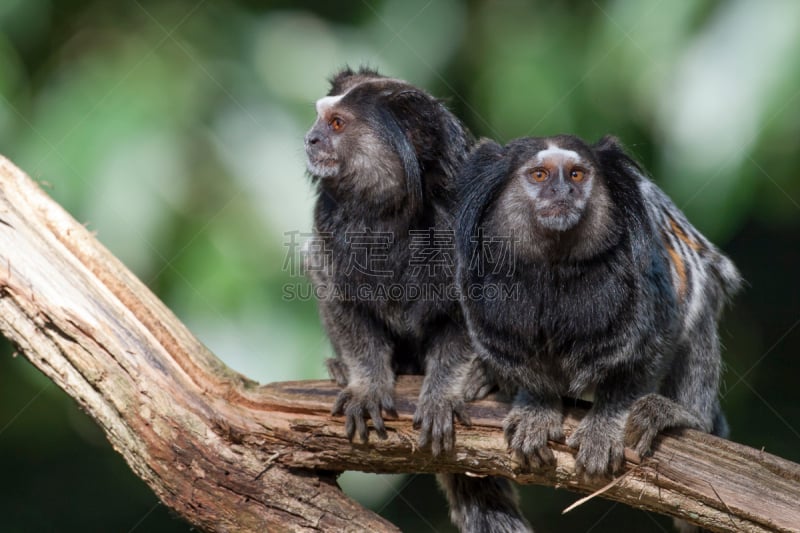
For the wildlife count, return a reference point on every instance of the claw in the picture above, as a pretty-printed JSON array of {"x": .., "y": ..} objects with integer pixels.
[
  {"x": 357, "y": 405},
  {"x": 435, "y": 422},
  {"x": 600, "y": 448},
  {"x": 377, "y": 421},
  {"x": 390, "y": 412},
  {"x": 341, "y": 401},
  {"x": 349, "y": 428},
  {"x": 527, "y": 429},
  {"x": 462, "y": 415}
]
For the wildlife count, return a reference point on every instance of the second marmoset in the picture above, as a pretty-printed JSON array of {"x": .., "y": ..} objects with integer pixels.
[{"x": 615, "y": 295}]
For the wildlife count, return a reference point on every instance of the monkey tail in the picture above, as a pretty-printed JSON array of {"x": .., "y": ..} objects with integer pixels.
[{"x": 483, "y": 504}]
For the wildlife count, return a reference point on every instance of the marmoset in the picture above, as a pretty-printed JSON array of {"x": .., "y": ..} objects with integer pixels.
[
  {"x": 615, "y": 295},
  {"x": 383, "y": 155}
]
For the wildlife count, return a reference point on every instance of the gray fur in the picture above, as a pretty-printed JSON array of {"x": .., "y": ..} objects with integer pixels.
[
  {"x": 619, "y": 296},
  {"x": 384, "y": 156}
]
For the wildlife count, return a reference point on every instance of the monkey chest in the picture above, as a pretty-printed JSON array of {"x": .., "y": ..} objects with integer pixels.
[{"x": 574, "y": 302}]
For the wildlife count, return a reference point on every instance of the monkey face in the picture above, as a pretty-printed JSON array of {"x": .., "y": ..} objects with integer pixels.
[
  {"x": 558, "y": 179},
  {"x": 344, "y": 141},
  {"x": 353, "y": 143},
  {"x": 383, "y": 142}
]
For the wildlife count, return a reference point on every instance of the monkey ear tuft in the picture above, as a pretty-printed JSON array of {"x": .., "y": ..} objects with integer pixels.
[
  {"x": 410, "y": 104},
  {"x": 488, "y": 149},
  {"x": 609, "y": 143},
  {"x": 486, "y": 163},
  {"x": 486, "y": 170},
  {"x": 610, "y": 152}
]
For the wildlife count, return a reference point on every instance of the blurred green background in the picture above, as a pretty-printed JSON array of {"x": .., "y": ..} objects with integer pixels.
[{"x": 174, "y": 130}]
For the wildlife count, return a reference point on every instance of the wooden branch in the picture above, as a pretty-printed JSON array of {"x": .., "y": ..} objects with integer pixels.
[{"x": 228, "y": 454}]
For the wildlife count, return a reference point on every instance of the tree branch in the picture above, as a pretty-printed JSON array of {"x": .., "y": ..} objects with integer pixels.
[{"x": 228, "y": 454}]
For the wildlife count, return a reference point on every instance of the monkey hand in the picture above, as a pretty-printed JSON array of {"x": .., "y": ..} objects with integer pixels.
[
  {"x": 652, "y": 414},
  {"x": 358, "y": 402},
  {"x": 434, "y": 418},
  {"x": 337, "y": 370},
  {"x": 478, "y": 382},
  {"x": 527, "y": 429},
  {"x": 599, "y": 441}
]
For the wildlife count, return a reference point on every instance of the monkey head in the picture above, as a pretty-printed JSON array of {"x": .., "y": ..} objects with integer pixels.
[
  {"x": 549, "y": 193},
  {"x": 346, "y": 138},
  {"x": 375, "y": 137}
]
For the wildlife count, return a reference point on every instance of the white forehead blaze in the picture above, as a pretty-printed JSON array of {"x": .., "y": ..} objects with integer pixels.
[
  {"x": 327, "y": 102},
  {"x": 553, "y": 152}
]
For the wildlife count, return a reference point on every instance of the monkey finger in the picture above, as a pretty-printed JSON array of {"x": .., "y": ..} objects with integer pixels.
[
  {"x": 389, "y": 409},
  {"x": 616, "y": 462},
  {"x": 377, "y": 421},
  {"x": 580, "y": 470},
  {"x": 337, "y": 371},
  {"x": 477, "y": 392},
  {"x": 477, "y": 384},
  {"x": 417, "y": 421},
  {"x": 557, "y": 434},
  {"x": 460, "y": 412},
  {"x": 443, "y": 434},
  {"x": 436, "y": 446},
  {"x": 526, "y": 444},
  {"x": 533, "y": 461},
  {"x": 519, "y": 441},
  {"x": 521, "y": 458},
  {"x": 349, "y": 427},
  {"x": 509, "y": 429},
  {"x": 361, "y": 427},
  {"x": 641, "y": 439},
  {"x": 645, "y": 445},
  {"x": 424, "y": 437},
  {"x": 341, "y": 400},
  {"x": 545, "y": 456}
]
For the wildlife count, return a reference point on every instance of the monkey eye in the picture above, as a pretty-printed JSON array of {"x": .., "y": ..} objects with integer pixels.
[
  {"x": 577, "y": 174},
  {"x": 539, "y": 174},
  {"x": 336, "y": 124}
]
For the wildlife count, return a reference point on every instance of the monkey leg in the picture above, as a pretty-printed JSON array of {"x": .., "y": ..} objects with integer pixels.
[
  {"x": 652, "y": 414},
  {"x": 449, "y": 362},
  {"x": 337, "y": 370},
  {"x": 688, "y": 396},
  {"x": 600, "y": 437},
  {"x": 363, "y": 363},
  {"x": 480, "y": 380}
]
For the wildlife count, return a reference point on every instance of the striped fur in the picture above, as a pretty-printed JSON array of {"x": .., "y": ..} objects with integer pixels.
[{"x": 699, "y": 271}]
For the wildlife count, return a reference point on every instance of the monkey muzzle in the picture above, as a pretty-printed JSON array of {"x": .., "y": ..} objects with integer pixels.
[
  {"x": 321, "y": 158},
  {"x": 559, "y": 215}
]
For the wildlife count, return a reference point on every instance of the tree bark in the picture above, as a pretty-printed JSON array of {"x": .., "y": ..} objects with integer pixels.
[{"x": 230, "y": 455}]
